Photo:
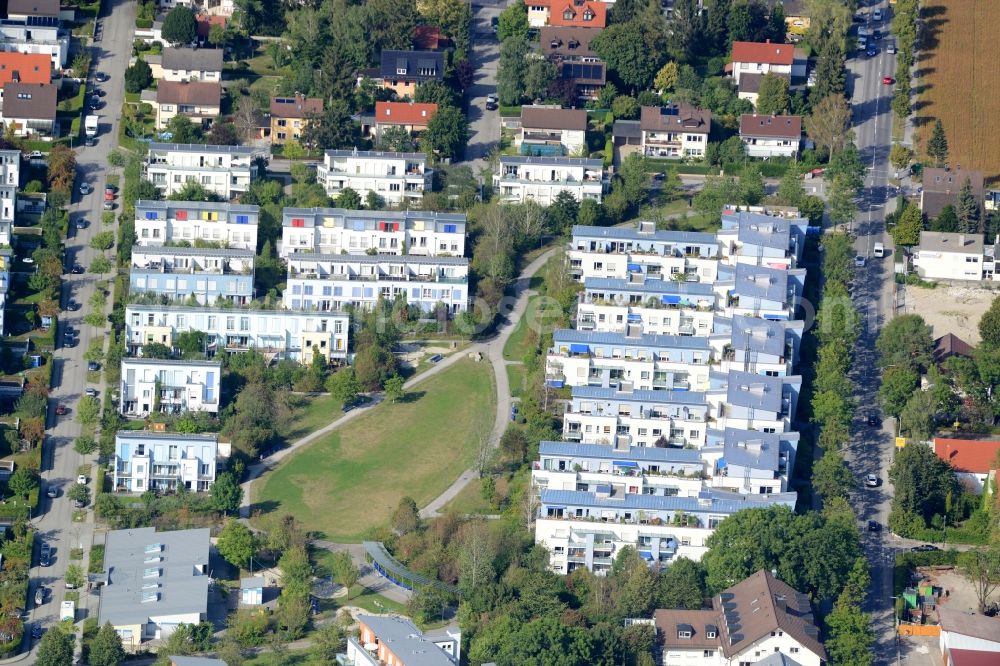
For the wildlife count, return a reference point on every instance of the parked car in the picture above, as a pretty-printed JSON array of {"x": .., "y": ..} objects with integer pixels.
[
  {"x": 871, "y": 481},
  {"x": 72, "y": 306},
  {"x": 109, "y": 205},
  {"x": 873, "y": 526},
  {"x": 859, "y": 261},
  {"x": 36, "y": 631},
  {"x": 77, "y": 269},
  {"x": 39, "y": 596},
  {"x": 924, "y": 548},
  {"x": 81, "y": 223},
  {"x": 52, "y": 492},
  {"x": 45, "y": 555},
  {"x": 84, "y": 188},
  {"x": 495, "y": 23},
  {"x": 101, "y": 77},
  {"x": 61, "y": 410},
  {"x": 90, "y": 142},
  {"x": 891, "y": 49},
  {"x": 877, "y": 34},
  {"x": 513, "y": 412},
  {"x": 871, "y": 50},
  {"x": 93, "y": 366},
  {"x": 873, "y": 420},
  {"x": 877, "y": 15},
  {"x": 82, "y": 479},
  {"x": 91, "y": 391}
]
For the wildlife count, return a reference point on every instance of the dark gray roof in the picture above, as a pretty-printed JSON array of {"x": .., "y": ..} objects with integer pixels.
[
  {"x": 568, "y": 42},
  {"x": 746, "y": 389},
  {"x": 48, "y": 8},
  {"x": 761, "y": 282},
  {"x": 675, "y": 118},
  {"x": 750, "y": 81},
  {"x": 178, "y": 587},
  {"x": 413, "y": 62},
  {"x": 777, "y": 659},
  {"x": 568, "y": 335},
  {"x": 406, "y": 641},
  {"x": 763, "y": 336},
  {"x": 713, "y": 501},
  {"x": 658, "y": 397},
  {"x": 553, "y": 161},
  {"x": 201, "y": 60},
  {"x": 633, "y": 233},
  {"x": 603, "y": 451},
  {"x": 627, "y": 129},
  {"x": 946, "y": 241}
]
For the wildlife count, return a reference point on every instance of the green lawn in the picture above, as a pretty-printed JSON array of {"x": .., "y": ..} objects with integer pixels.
[
  {"x": 515, "y": 377},
  {"x": 352, "y": 479},
  {"x": 310, "y": 413},
  {"x": 538, "y": 315},
  {"x": 470, "y": 499}
]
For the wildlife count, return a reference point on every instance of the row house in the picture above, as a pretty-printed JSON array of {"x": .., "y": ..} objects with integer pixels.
[
  {"x": 395, "y": 177},
  {"x": 292, "y": 334},
  {"x": 182, "y": 273},
  {"x": 659, "y": 306},
  {"x": 589, "y": 528},
  {"x": 568, "y": 48},
  {"x": 341, "y": 231},
  {"x": 771, "y": 136},
  {"x": 231, "y": 226},
  {"x": 674, "y": 131},
  {"x": 636, "y": 417},
  {"x": 543, "y": 179},
  {"x": 167, "y": 386},
  {"x": 551, "y": 131},
  {"x": 750, "y": 401},
  {"x": 223, "y": 170},
  {"x": 758, "y": 291},
  {"x": 762, "y": 239},
  {"x": 332, "y": 282},
  {"x": 615, "y": 360},
  {"x": 397, "y": 641},
  {"x": 617, "y": 252},
  {"x": 164, "y": 462}
]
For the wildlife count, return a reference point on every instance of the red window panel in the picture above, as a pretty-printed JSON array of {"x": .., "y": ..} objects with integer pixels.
[
  {"x": 298, "y": 222},
  {"x": 182, "y": 215}
]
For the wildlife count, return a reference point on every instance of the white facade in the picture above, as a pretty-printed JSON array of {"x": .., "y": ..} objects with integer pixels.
[
  {"x": 10, "y": 177},
  {"x": 953, "y": 256},
  {"x": 230, "y": 225},
  {"x": 660, "y": 307},
  {"x": 19, "y": 37},
  {"x": 396, "y": 177},
  {"x": 764, "y": 146},
  {"x": 283, "y": 333},
  {"x": 330, "y": 282},
  {"x": 337, "y": 231},
  {"x": 542, "y": 179},
  {"x": 223, "y": 170},
  {"x": 168, "y": 386},
  {"x": 164, "y": 461},
  {"x": 6, "y": 259}
]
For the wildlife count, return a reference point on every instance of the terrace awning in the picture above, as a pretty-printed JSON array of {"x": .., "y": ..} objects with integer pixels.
[
  {"x": 634, "y": 267},
  {"x": 722, "y": 463},
  {"x": 669, "y": 299},
  {"x": 646, "y": 555},
  {"x": 625, "y": 463},
  {"x": 576, "y": 348}
]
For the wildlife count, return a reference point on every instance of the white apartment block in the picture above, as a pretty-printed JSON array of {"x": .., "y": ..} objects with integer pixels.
[
  {"x": 330, "y": 282},
  {"x": 954, "y": 256},
  {"x": 229, "y": 225},
  {"x": 396, "y": 177},
  {"x": 762, "y": 239},
  {"x": 164, "y": 461},
  {"x": 750, "y": 462},
  {"x": 46, "y": 37},
  {"x": 660, "y": 307},
  {"x": 6, "y": 259},
  {"x": 760, "y": 346},
  {"x": 542, "y": 179},
  {"x": 223, "y": 170},
  {"x": 749, "y": 401},
  {"x": 168, "y": 386},
  {"x": 616, "y": 252},
  {"x": 339, "y": 231},
  {"x": 10, "y": 177},
  {"x": 277, "y": 333},
  {"x": 758, "y": 291},
  {"x": 182, "y": 273}
]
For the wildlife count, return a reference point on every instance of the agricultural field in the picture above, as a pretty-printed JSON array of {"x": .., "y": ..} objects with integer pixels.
[{"x": 958, "y": 78}]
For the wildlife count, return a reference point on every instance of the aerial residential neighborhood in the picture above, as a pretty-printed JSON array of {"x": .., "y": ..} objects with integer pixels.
[{"x": 446, "y": 333}]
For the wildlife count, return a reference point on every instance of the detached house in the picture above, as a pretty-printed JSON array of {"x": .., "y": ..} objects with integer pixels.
[
  {"x": 168, "y": 386},
  {"x": 943, "y": 255},
  {"x": 24, "y": 68},
  {"x": 764, "y": 57},
  {"x": 941, "y": 188},
  {"x": 972, "y": 459},
  {"x": 771, "y": 136},
  {"x": 542, "y": 179},
  {"x": 410, "y": 116},
  {"x": 199, "y": 101},
  {"x": 550, "y": 132},
  {"x": 678, "y": 130},
  {"x": 184, "y": 65},
  {"x": 289, "y": 117},
  {"x": 31, "y": 107},
  {"x": 578, "y": 13},
  {"x": 569, "y": 49},
  {"x": 404, "y": 71}
]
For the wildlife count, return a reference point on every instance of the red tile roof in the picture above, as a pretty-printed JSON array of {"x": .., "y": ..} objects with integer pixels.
[
  {"x": 25, "y": 67},
  {"x": 429, "y": 38},
  {"x": 973, "y": 456},
  {"x": 404, "y": 113},
  {"x": 962, "y": 657},
  {"x": 205, "y": 24},
  {"x": 772, "y": 54},
  {"x": 574, "y": 13}
]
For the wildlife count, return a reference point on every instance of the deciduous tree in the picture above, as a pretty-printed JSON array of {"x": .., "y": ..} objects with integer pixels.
[
  {"x": 772, "y": 96},
  {"x": 226, "y": 493},
  {"x": 237, "y": 544},
  {"x": 908, "y": 227},
  {"x": 447, "y": 132},
  {"x": 827, "y": 124},
  {"x": 981, "y": 566}
]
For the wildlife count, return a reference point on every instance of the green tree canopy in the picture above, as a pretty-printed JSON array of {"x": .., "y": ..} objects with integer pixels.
[
  {"x": 138, "y": 76},
  {"x": 906, "y": 233},
  {"x": 237, "y": 544},
  {"x": 180, "y": 26},
  {"x": 906, "y": 342},
  {"x": 447, "y": 132},
  {"x": 513, "y": 22},
  {"x": 226, "y": 493},
  {"x": 989, "y": 326},
  {"x": 772, "y": 96},
  {"x": 937, "y": 145},
  {"x": 106, "y": 648},
  {"x": 923, "y": 482}
]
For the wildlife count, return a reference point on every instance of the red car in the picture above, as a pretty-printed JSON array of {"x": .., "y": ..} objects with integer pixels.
[
  {"x": 887, "y": 80},
  {"x": 61, "y": 410}
]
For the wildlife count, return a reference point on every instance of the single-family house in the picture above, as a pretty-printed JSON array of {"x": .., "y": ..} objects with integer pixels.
[
  {"x": 577, "y": 13},
  {"x": 155, "y": 582},
  {"x": 765, "y": 57},
  {"x": 223, "y": 170},
  {"x": 749, "y": 86},
  {"x": 397, "y": 641},
  {"x": 568, "y": 48},
  {"x": 675, "y": 130},
  {"x": 167, "y": 386},
  {"x": 771, "y": 136},
  {"x": 404, "y": 71},
  {"x": 429, "y": 38},
  {"x": 972, "y": 459},
  {"x": 410, "y": 116},
  {"x": 943, "y": 255},
  {"x": 31, "y": 107},
  {"x": 17, "y": 67},
  {"x": 232, "y": 226},
  {"x": 551, "y": 131},
  {"x": 542, "y": 179},
  {"x": 187, "y": 65},
  {"x": 290, "y": 115},
  {"x": 200, "y": 273},
  {"x": 39, "y": 10},
  {"x": 199, "y": 100},
  {"x": 949, "y": 345},
  {"x": 164, "y": 461},
  {"x": 963, "y": 632},
  {"x": 941, "y": 188},
  {"x": 39, "y": 34},
  {"x": 395, "y": 177}
]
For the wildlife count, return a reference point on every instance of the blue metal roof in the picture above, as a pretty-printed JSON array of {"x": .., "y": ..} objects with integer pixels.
[
  {"x": 761, "y": 282},
  {"x": 632, "y": 233},
  {"x": 571, "y": 335},
  {"x": 746, "y": 389},
  {"x": 718, "y": 502},
  {"x": 606, "y": 452},
  {"x": 658, "y": 397},
  {"x": 650, "y": 286}
]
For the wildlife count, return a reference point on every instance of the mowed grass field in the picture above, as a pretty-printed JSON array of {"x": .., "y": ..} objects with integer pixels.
[
  {"x": 959, "y": 77},
  {"x": 352, "y": 479}
]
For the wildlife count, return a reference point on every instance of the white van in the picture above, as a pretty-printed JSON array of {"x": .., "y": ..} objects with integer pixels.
[{"x": 878, "y": 250}]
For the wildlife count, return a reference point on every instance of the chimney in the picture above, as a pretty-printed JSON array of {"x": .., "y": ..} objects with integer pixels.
[{"x": 961, "y": 240}]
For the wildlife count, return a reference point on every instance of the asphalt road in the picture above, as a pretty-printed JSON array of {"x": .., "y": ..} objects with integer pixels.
[
  {"x": 872, "y": 447},
  {"x": 484, "y": 126},
  {"x": 59, "y": 461}
]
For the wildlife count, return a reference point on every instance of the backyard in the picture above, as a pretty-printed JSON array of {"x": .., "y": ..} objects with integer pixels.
[{"x": 352, "y": 479}]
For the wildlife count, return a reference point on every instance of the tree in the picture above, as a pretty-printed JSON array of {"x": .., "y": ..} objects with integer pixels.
[
  {"x": 349, "y": 199},
  {"x": 686, "y": 26},
  {"x": 138, "y": 77},
  {"x": 22, "y": 482},
  {"x": 191, "y": 344},
  {"x": 513, "y": 22},
  {"x": 394, "y": 390},
  {"x": 538, "y": 78},
  {"x": 226, "y": 493},
  {"x": 937, "y": 145},
  {"x": 237, "y": 544},
  {"x": 332, "y": 128},
  {"x": 84, "y": 445},
  {"x": 511, "y": 70},
  {"x": 967, "y": 210},
  {"x": 908, "y": 227},
  {"x": 831, "y": 476},
  {"x": 989, "y": 326},
  {"x": 981, "y": 566},
  {"x": 406, "y": 517},
  {"x": 56, "y": 648},
  {"x": 772, "y": 96},
  {"x": 831, "y": 77},
  {"x": 345, "y": 572},
  {"x": 666, "y": 78},
  {"x": 922, "y": 484},
  {"x": 447, "y": 132},
  {"x": 947, "y": 220},
  {"x": 183, "y": 130},
  {"x": 850, "y": 637},
  {"x": 106, "y": 648},
  {"x": 900, "y": 156},
  {"x": 79, "y": 493},
  {"x": 625, "y": 107},
  {"x": 514, "y": 444},
  {"x": 327, "y": 642},
  {"x": 916, "y": 419},
  {"x": 828, "y": 122},
  {"x": 74, "y": 576},
  {"x": 156, "y": 350},
  {"x": 180, "y": 26},
  {"x": 898, "y": 384},
  {"x": 752, "y": 185},
  {"x": 62, "y": 168},
  {"x": 226, "y": 134},
  {"x": 343, "y": 386},
  {"x": 682, "y": 585},
  {"x": 632, "y": 51},
  {"x": 906, "y": 342},
  {"x": 100, "y": 265},
  {"x": 103, "y": 240}
]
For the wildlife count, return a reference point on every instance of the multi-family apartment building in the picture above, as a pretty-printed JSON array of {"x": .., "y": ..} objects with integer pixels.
[
  {"x": 758, "y": 345},
  {"x": 551, "y": 131},
  {"x": 568, "y": 48},
  {"x": 331, "y": 282},
  {"x": 6, "y": 259},
  {"x": 763, "y": 239},
  {"x": 676, "y": 130},
  {"x": 222, "y": 170},
  {"x": 750, "y": 462},
  {"x": 165, "y": 462},
  {"x": 184, "y": 273},
  {"x": 660, "y": 307},
  {"x": 36, "y": 35},
  {"x": 168, "y": 386},
  {"x": 758, "y": 291},
  {"x": 340, "y": 231},
  {"x": 616, "y": 252},
  {"x": 229, "y": 225},
  {"x": 395, "y": 177},
  {"x": 630, "y": 359},
  {"x": 749, "y": 401},
  {"x": 293, "y": 334},
  {"x": 10, "y": 178},
  {"x": 395, "y": 640},
  {"x": 542, "y": 179}
]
